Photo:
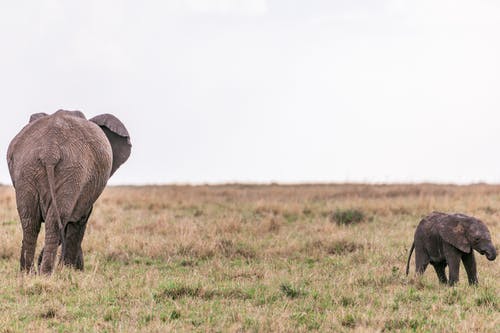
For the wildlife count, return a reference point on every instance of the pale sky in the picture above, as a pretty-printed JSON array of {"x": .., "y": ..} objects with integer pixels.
[{"x": 267, "y": 90}]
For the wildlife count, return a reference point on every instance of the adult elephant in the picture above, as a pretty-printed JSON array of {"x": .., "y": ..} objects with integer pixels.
[{"x": 59, "y": 165}]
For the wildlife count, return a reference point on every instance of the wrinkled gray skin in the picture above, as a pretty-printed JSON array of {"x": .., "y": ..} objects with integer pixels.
[
  {"x": 59, "y": 165},
  {"x": 445, "y": 239}
]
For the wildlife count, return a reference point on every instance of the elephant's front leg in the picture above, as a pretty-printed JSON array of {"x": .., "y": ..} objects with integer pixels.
[
  {"x": 453, "y": 257},
  {"x": 470, "y": 267},
  {"x": 31, "y": 229}
]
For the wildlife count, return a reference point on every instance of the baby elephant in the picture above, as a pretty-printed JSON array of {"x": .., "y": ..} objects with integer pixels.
[{"x": 443, "y": 239}]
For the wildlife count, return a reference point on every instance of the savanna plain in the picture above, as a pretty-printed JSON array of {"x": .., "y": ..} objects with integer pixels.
[{"x": 253, "y": 258}]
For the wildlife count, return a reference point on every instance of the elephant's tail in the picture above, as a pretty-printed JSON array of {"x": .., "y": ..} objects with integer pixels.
[
  {"x": 51, "y": 180},
  {"x": 409, "y": 257}
]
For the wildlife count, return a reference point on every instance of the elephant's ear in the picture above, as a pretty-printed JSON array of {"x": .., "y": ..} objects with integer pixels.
[
  {"x": 36, "y": 116},
  {"x": 453, "y": 230},
  {"x": 118, "y": 137}
]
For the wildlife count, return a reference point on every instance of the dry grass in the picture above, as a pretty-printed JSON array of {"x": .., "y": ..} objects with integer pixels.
[{"x": 252, "y": 258}]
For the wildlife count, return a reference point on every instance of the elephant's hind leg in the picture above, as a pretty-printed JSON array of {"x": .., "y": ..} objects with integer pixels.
[
  {"x": 31, "y": 229},
  {"x": 439, "y": 267},
  {"x": 31, "y": 220},
  {"x": 52, "y": 240},
  {"x": 421, "y": 259},
  {"x": 40, "y": 257},
  {"x": 72, "y": 251},
  {"x": 72, "y": 254}
]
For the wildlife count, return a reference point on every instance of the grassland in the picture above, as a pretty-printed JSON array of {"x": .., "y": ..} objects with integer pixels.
[{"x": 252, "y": 259}]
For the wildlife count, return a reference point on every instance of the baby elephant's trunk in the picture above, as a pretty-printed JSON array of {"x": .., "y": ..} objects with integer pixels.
[
  {"x": 491, "y": 254},
  {"x": 486, "y": 248}
]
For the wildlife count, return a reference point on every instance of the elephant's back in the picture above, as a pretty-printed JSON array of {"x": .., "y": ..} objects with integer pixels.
[
  {"x": 82, "y": 145},
  {"x": 64, "y": 140},
  {"x": 79, "y": 151},
  {"x": 428, "y": 224}
]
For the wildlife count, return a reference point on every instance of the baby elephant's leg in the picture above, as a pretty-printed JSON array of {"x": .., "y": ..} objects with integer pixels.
[
  {"x": 470, "y": 267},
  {"x": 439, "y": 267},
  {"x": 421, "y": 259},
  {"x": 453, "y": 257}
]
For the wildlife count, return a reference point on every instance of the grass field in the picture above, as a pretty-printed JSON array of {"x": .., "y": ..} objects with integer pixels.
[{"x": 253, "y": 259}]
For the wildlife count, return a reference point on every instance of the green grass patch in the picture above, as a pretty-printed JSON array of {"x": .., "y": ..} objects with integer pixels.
[{"x": 347, "y": 216}]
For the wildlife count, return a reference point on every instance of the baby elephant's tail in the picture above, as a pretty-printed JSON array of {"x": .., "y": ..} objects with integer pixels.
[{"x": 409, "y": 257}]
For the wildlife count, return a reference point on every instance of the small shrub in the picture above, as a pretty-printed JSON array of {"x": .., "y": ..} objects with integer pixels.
[
  {"x": 187, "y": 263},
  {"x": 347, "y": 216},
  {"x": 48, "y": 314},
  {"x": 175, "y": 315},
  {"x": 307, "y": 212},
  {"x": 170, "y": 316},
  {"x": 349, "y": 321},
  {"x": 290, "y": 217},
  {"x": 347, "y": 301},
  {"x": 342, "y": 247},
  {"x": 290, "y": 291}
]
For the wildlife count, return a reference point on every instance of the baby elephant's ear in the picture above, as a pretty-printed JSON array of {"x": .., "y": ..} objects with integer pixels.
[
  {"x": 36, "y": 116},
  {"x": 454, "y": 230},
  {"x": 118, "y": 137}
]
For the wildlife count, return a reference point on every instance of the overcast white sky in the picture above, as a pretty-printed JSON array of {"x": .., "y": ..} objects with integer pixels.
[{"x": 267, "y": 90}]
